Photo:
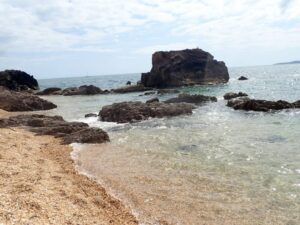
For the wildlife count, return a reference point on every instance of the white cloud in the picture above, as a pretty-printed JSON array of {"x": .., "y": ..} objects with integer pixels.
[{"x": 75, "y": 25}]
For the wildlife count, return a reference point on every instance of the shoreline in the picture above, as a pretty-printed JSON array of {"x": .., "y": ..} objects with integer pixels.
[{"x": 40, "y": 184}]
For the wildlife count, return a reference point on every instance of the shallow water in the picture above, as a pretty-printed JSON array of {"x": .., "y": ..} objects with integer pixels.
[{"x": 217, "y": 166}]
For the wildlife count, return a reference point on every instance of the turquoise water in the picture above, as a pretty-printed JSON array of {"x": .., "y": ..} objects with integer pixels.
[{"x": 217, "y": 166}]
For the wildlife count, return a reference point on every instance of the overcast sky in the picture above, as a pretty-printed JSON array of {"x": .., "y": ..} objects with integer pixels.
[{"x": 58, "y": 38}]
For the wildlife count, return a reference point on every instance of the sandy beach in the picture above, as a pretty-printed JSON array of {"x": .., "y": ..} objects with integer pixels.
[{"x": 39, "y": 185}]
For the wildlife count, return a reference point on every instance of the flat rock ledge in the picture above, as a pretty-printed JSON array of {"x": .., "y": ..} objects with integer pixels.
[
  {"x": 69, "y": 132},
  {"x": 129, "y": 112},
  {"x": 13, "y": 101},
  {"x": 231, "y": 95},
  {"x": 193, "y": 99},
  {"x": 247, "y": 104}
]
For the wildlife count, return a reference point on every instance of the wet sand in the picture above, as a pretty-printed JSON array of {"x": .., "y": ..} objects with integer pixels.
[{"x": 39, "y": 185}]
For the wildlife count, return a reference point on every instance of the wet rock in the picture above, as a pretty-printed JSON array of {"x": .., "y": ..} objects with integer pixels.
[
  {"x": 243, "y": 78},
  {"x": 131, "y": 88},
  {"x": 186, "y": 67},
  {"x": 17, "y": 80},
  {"x": 193, "y": 99},
  {"x": 232, "y": 95},
  {"x": 150, "y": 93},
  {"x": 90, "y": 115},
  {"x": 56, "y": 126},
  {"x": 245, "y": 103},
  {"x": 50, "y": 91},
  {"x": 18, "y": 101},
  {"x": 167, "y": 91},
  {"x": 82, "y": 90},
  {"x": 128, "y": 83},
  {"x": 152, "y": 100},
  {"x": 125, "y": 112}
]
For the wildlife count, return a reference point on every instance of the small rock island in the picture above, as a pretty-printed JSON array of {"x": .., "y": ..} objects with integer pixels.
[{"x": 183, "y": 68}]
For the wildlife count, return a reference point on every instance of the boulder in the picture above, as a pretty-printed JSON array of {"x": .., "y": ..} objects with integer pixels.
[
  {"x": 56, "y": 126},
  {"x": 50, "y": 91},
  {"x": 17, "y": 80},
  {"x": 125, "y": 112},
  {"x": 232, "y": 95},
  {"x": 128, "y": 83},
  {"x": 18, "y": 101},
  {"x": 131, "y": 88},
  {"x": 243, "y": 78},
  {"x": 82, "y": 90},
  {"x": 245, "y": 103},
  {"x": 152, "y": 100},
  {"x": 182, "y": 68},
  {"x": 193, "y": 99}
]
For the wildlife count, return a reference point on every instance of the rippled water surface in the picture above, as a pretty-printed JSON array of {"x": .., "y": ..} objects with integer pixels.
[{"x": 217, "y": 166}]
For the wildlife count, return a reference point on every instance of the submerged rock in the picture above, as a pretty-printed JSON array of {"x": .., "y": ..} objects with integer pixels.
[
  {"x": 131, "y": 88},
  {"x": 194, "y": 99},
  {"x": 245, "y": 103},
  {"x": 167, "y": 91},
  {"x": 186, "y": 67},
  {"x": 90, "y": 115},
  {"x": 125, "y": 112},
  {"x": 243, "y": 78},
  {"x": 18, "y": 101},
  {"x": 50, "y": 91},
  {"x": 232, "y": 95},
  {"x": 56, "y": 126},
  {"x": 17, "y": 80}
]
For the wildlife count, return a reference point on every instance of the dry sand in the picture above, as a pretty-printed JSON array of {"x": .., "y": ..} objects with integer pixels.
[{"x": 39, "y": 185}]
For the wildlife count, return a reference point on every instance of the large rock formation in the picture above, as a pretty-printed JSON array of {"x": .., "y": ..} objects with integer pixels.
[
  {"x": 186, "y": 67},
  {"x": 56, "y": 126},
  {"x": 17, "y": 80},
  {"x": 245, "y": 103},
  {"x": 125, "y": 112},
  {"x": 193, "y": 99},
  {"x": 18, "y": 101}
]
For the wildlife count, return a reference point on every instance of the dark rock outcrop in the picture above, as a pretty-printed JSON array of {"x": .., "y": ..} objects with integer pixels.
[
  {"x": 243, "y": 78},
  {"x": 56, "y": 126},
  {"x": 245, "y": 103},
  {"x": 125, "y": 112},
  {"x": 90, "y": 115},
  {"x": 50, "y": 91},
  {"x": 193, "y": 99},
  {"x": 167, "y": 91},
  {"x": 128, "y": 83},
  {"x": 18, "y": 101},
  {"x": 231, "y": 95},
  {"x": 17, "y": 80},
  {"x": 82, "y": 90},
  {"x": 131, "y": 88},
  {"x": 186, "y": 67}
]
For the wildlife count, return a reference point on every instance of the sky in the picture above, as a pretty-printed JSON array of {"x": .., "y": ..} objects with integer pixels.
[{"x": 61, "y": 38}]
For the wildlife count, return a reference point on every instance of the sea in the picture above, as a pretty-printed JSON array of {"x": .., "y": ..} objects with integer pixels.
[{"x": 216, "y": 166}]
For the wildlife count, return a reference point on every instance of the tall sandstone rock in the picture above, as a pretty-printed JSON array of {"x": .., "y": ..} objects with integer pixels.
[{"x": 185, "y": 67}]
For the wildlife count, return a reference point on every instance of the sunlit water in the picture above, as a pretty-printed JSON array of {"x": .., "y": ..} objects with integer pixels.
[{"x": 217, "y": 166}]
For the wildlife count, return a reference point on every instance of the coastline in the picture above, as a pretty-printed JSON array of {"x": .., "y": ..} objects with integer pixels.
[{"x": 40, "y": 185}]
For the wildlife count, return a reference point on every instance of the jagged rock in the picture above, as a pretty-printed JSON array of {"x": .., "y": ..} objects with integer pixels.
[
  {"x": 56, "y": 126},
  {"x": 18, "y": 101},
  {"x": 243, "y": 78},
  {"x": 167, "y": 91},
  {"x": 50, "y": 91},
  {"x": 152, "y": 100},
  {"x": 90, "y": 115},
  {"x": 82, "y": 90},
  {"x": 232, "y": 95},
  {"x": 193, "y": 99},
  {"x": 245, "y": 103},
  {"x": 131, "y": 88},
  {"x": 186, "y": 67},
  {"x": 17, "y": 80},
  {"x": 125, "y": 112}
]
